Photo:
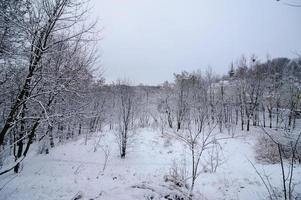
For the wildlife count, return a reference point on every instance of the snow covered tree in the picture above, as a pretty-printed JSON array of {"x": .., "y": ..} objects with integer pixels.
[
  {"x": 125, "y": 110},
  {"x": 46, "y": 27}
]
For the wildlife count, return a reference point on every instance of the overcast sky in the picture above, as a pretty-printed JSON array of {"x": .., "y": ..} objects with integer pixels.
[{"x": 147, "y": 41}]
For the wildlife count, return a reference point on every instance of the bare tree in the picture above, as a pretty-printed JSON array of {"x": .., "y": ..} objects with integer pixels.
[
  {"x": 197, "y": 131},
  {"x": 125, "y": 109},
  {"x": 166, "y": 104},
  {"x": 197, "y": 139},
  {"x": 182, "y": 92}
]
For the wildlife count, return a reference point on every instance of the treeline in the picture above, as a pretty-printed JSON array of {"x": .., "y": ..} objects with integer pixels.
[
  {"x": 253, "y": 93},
  {"x": 261, "y": 94}
]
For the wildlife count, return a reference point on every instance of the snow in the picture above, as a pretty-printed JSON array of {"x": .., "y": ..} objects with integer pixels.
[{"x": 74, "y": 169}]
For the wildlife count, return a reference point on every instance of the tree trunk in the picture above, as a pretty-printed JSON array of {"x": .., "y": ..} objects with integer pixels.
[
  {"x": 14, "y": 110},
  {"x": 19, "y": 153},
  {"x": 241, "y": 115},
  {"x": 169, "y": 120},
  {"x": 282, "y": 170},
  {"x": 50, "y": 133},
  {"x": 270, "y": 116},
  {"x": 277, "y": 116},
  {"x": 123, "y": 147},
  {"x": 263, "y": 115},
  {"x": 178, "y": 125},
  {"x": 236, "y": 116},
  {"x": 20, "y": 142}
]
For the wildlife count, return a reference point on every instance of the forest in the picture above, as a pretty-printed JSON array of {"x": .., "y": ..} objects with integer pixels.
[{"x": 67, "y": 133}]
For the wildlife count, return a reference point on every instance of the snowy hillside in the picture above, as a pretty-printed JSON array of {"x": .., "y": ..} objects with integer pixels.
[{"x": 75, "y": 171}]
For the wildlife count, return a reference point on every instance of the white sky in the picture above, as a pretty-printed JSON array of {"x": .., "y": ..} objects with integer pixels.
[{"x": 146, "y": 41}]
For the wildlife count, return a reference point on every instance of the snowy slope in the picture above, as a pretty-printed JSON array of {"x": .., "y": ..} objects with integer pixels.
[{"x": 75, "y": 169}]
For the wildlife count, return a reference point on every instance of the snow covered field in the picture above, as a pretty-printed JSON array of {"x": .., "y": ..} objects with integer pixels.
[{"x": 75, "y": 171}]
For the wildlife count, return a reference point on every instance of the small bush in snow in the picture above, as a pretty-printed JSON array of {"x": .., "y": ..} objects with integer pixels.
[
  {"x": 178, "y": 175},
  {"x": 267, "y": 151}
]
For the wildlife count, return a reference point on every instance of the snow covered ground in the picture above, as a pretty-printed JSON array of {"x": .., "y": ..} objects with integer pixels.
[{"x": 76, "y": 170}]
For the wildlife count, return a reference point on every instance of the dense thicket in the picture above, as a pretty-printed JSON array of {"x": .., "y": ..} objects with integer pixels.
[{"x": 45, "y": 74}]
